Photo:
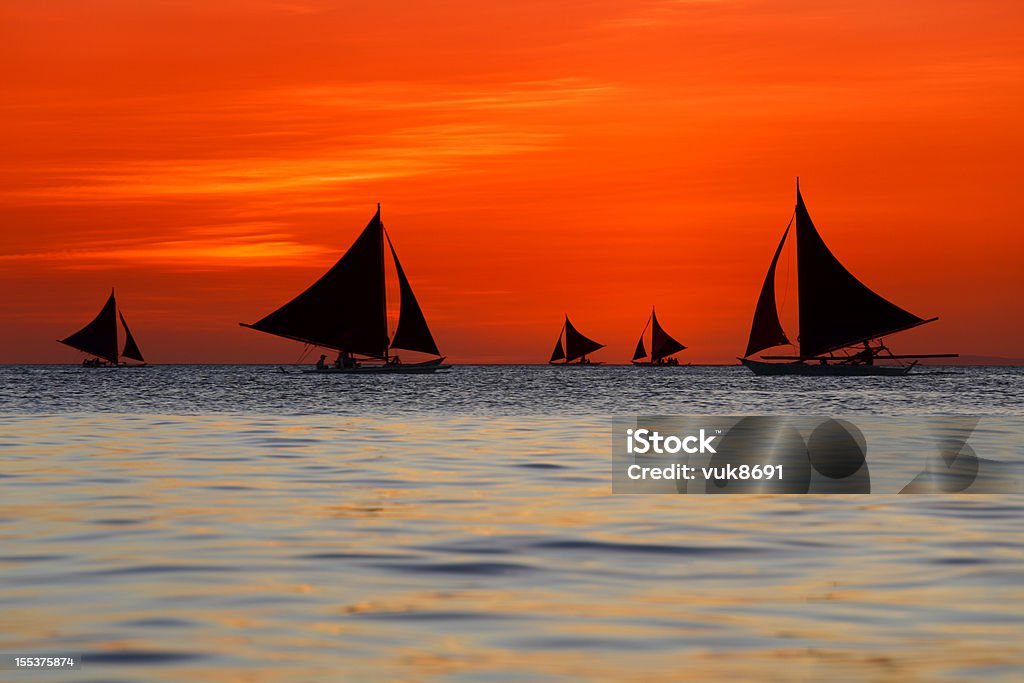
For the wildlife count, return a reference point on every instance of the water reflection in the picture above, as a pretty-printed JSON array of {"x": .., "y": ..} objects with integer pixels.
[{"x": 169, "y": 548}]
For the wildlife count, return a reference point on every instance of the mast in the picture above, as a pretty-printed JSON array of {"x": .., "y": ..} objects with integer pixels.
[{"x": 383, "y": 285}]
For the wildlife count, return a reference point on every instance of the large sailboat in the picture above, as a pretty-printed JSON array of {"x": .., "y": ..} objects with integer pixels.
[
  {"x": 572, "y": 347},
  {"x": 99, "y": 340},
  {"x": 842, "y": 321},
  {"x": 346, "y": 310},
  {"x": 663, "y": 346}
]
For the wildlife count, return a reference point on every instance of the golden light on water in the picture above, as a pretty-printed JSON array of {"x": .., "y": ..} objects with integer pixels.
[{"x": 424, "y": 547}]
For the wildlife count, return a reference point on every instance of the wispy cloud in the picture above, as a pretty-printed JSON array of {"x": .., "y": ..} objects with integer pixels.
[
  {"x": 657, "y": 13},
  {"x": 549, "y": 93},
  {"x": 217, "y": 247},
  {"x": 409, "y": 152},
  {"x": 304, "y": 139}
]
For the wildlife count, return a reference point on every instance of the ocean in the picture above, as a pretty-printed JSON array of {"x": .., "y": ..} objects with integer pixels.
[{"x": 257, "y": 524}]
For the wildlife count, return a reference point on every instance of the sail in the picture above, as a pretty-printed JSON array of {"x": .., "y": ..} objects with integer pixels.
[
  {"x": 131, "y": 349},
  {"x": 577, "y": 345},
  {"x": 662, "y": 345},
  {"x": 766, "y": 330},
  {"x": 836, "y": 309},
  {"x": 559, "y": 352},
  {"x": 344, "y": 309},
  {"x": 99, "y": 337},
  {"x": 640, "y": 350},
  {"x": 412, "y": 333}
]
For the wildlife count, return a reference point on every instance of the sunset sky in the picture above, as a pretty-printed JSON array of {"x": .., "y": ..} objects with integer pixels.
[{"x": 211, "y": 159}]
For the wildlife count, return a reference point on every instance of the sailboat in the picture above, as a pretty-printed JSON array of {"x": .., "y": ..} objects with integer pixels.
[
  {"x": 663, "y": 346},
  {"x": 573, "y": 347},
  {"x": 842, "y": 321},
  {"x": 99, "y": 339},
  {"x": 346, "y": 310}
]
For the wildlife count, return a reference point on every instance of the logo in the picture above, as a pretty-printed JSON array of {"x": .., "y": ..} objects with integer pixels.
[{"x": 641, "y": 441}]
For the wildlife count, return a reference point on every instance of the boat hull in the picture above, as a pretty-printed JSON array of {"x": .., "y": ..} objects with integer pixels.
[
  {"x": 424, "y": 368},
  {"x": 648, "y": 364},
  {"x": 818, "y": 370},
  {"x": 110, "y": 366}
]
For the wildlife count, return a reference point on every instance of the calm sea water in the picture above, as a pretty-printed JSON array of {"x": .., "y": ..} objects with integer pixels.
[{"x": 215, "y": 523}]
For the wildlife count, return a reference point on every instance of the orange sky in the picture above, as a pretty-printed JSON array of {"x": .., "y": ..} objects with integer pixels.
[{"x": 211, "y": 159}]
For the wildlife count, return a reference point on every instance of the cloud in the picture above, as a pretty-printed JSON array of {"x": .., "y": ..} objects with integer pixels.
[
  {"x": 298, "y": 140},
  {"x": 656, "y": 14},
  {"x": 205, "y": 247}
]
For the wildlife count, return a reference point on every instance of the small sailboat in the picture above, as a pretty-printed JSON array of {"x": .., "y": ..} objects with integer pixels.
[
  {"x": 842, "y": 321},
  {"x": 572, "y": 347},
  {"x": 99, "y": 340},
  {"x": 346, "y": 310},
  {"x": 663, "y": 346}
]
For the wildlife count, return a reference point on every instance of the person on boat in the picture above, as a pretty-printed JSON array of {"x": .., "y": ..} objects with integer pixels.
[
  {"x": 865, "y": 357},
  {"x": 321, "y": 364}
]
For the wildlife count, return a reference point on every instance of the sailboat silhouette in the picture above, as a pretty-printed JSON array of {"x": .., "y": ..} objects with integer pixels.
[
  {"x": 663, "y": 346},
  {"x": 842, "y": 321},
  {"x": 99, "y": 339},
  {"x": 346, "y": 310},
  {"x": 573, "y": 347}
]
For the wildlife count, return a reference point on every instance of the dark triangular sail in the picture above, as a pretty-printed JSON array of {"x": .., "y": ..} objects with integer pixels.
[
  {"x": 662, "y": 345},
  {"x": 99, "y": 337},
  {"x": 344, "y": 309},
  {"x": 640, "y": 351},
  {"x": 131, "y": 349},
  {"x": 766, "y": 330},
  {"x": 836, "y": 309},
  {"x": 559, "y": 352},
  {"x": 576, "y": 344},
  {"x": 412, "y": 333}
]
